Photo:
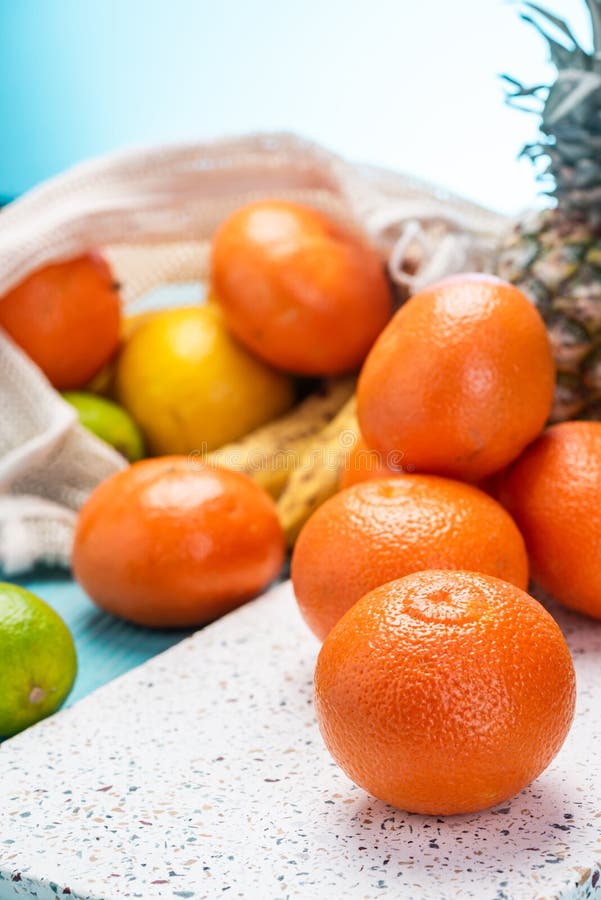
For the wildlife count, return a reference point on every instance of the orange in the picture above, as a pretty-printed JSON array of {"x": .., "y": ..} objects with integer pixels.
[
  {"x": 554, "y": 492},
  {"x": 379, "y": 530},
  {"x": 445, "y": 692},
  {"x": 66, "y": 317},
  {"x": 300, "y": 291},
  {"x": 172, "y": 543},
  {"x": 460, "y": 381},
  {"x": 363, "y": 464}
]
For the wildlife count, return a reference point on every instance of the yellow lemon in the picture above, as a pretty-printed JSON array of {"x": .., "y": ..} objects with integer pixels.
[
  {"x": 191, "y": 387},
  {"x": 103, "y": 382}
]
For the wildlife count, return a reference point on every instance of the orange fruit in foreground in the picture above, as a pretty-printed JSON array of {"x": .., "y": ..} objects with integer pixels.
[
  {"x": 363, "y": 464},
  {"x": 300, "y": 291},
  {"x": 445, "y": 692},
  {"x": 554, "y": 493},
  {"x": 460, "y": 381},
  {"x": 170, "y": 543},
  {"x": 66, "y": 317},
  {"x": 379, "y": 530}
]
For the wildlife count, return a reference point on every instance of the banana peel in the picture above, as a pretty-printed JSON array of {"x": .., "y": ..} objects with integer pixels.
[
  {"x": 316, "y": 476},
  {"x": 271, "y": 454}
]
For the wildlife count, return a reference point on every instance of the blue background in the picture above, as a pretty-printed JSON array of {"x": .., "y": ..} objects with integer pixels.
[{"x": 412, "y": 85}]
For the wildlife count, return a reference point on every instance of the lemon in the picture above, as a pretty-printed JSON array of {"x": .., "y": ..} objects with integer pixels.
[
  {"x": 190, "y": 386},
  {"x": 103, "y": 382},
  {"x": 109, "y": 422},
  {"x": 38, "y": 663}
]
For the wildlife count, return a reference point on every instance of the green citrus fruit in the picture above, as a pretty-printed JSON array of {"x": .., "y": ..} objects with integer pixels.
[
  {"x": 108, "y": 421},
  {"x": 38, "y": 662}
]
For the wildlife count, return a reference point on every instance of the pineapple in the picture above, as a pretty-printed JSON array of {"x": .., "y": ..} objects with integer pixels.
[{"x": 554, "y": 255}]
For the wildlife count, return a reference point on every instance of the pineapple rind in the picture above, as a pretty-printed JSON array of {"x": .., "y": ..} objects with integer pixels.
[
  {"x": 554, "y": 255},
  {"x": 559, "y": 279}
]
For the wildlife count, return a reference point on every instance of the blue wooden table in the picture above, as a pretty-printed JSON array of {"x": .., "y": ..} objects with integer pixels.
[{"x": 106, "y": 646}]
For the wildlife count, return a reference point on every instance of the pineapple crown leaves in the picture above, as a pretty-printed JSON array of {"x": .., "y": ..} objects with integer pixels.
[
  {"x": 579, "y": 72},
  {"x": 570, "y": 109}
]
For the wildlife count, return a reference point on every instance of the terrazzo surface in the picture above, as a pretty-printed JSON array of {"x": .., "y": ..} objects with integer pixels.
[{"x": 201, "y": 774}]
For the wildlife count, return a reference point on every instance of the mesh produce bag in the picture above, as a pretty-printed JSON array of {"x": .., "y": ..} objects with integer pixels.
[{"x": 152, "y": 212}]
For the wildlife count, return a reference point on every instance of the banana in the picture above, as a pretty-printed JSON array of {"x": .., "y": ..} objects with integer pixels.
[
  {"x": 272, "y": 452},
  {"x": 315, "y": 478}
]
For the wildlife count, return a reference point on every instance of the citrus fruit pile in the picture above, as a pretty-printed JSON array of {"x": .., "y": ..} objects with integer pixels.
[
  {"x": 256, "y": 376},
  {"x": 180, "y": 540},
  {"x": 261, "y": 374},
  {"x": 441, "y": 686},
  {"x": 418, "y": 508}
]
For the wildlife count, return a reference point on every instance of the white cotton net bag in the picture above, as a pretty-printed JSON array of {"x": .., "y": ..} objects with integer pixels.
[{"x": 152, "y": 212}]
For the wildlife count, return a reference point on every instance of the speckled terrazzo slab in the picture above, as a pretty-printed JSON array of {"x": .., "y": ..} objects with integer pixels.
[{"x": 202, "y": 774}]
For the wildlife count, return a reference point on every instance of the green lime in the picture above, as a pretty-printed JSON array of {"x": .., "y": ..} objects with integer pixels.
[
  {"x": 38, "y": 662},
  {"x": 108, "y": 421}
]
